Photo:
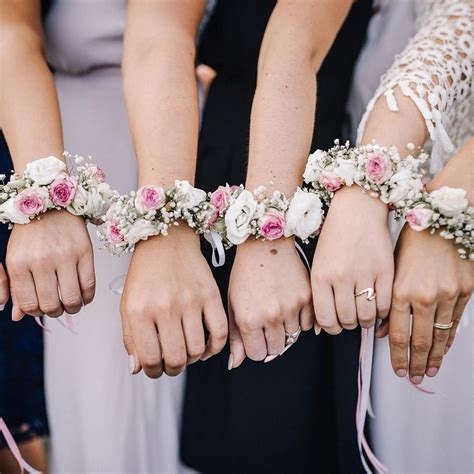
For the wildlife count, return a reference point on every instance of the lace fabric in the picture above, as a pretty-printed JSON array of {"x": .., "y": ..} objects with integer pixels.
[{"x": 435, "y": 71}]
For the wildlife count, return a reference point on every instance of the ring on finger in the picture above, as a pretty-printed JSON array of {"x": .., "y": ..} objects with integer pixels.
[
  {"x": 443, "y": 326},
  {"x": 292, "y": 337},
  {"x": 369, "y": 292}
]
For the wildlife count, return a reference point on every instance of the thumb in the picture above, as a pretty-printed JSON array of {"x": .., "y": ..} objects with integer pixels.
[
  {"x": 4, "y": 288},
  {"x": 237, "y": 350},
  {"x": 134, "y": 366}
]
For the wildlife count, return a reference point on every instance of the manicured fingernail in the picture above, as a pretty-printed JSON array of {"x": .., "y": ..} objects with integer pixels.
[
  {"x": 131, "y": 364},
  {"x": 417, "y": 379},
  {"x": 17, "y": 315},
  {"x": 401, "y": 372},
  {"x": 2, "y": 307},
  {"x": 432, "y": 371},
  {"x": 317, "y": 329},
  {"x": 269, "y": 358},
  {"x": 204, "y": 358},
  {"x": 230, "y": 364}
]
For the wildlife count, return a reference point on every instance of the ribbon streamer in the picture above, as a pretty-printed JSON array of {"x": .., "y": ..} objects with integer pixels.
[
  {"x": 218, "y": 251},
  {"x": 24, "y": 466}
]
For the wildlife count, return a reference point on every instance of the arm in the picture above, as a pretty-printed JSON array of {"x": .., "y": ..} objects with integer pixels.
[
  {"x": 55, "y": 251},
  {"x": 297, "y": 38},
  {"x": 161, "y": 95}
]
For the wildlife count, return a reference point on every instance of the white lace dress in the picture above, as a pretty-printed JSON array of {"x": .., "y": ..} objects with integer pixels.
[{"x": 414, "y": 432}]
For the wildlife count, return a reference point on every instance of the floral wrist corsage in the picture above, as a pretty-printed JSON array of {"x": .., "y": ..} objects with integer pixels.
[
  {"x": 378, "y": 170},
  {"x": 447, "y": 212},
  {"x": 46, "y": 184},
  {"x": 151, "y": 211},
  {"x": 240, "y": 214}
]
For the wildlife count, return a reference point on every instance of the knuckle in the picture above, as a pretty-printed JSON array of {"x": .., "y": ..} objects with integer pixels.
[
  {"x": 449, "y": 293},
  {"x": 196, "y": 350},
  {"x": 29, "y": 307},
  {"x": 247, "y": 323},
  {"x": 220, "y": 333},
  {"x": 425, "y": 298},
  {"x": 417, "y": 369},
  {"x": 440, "y": 336},
  {"x": 51, "y": 308},
  {"x": 72, "y": 301},
  {"x": 398, "y": 340},
  {"x": 150, "y": 363},
  {"x": 89, "y": 284},
  {"x": 398, "y": 362},
  {"x": 383, "y": 308},
  {"x": 325, "y": 322},
  {"x": 187, "y": 300},
  {"x": 421, "y": 345},
  {"x": 436, "y": 359},
  {"x": 273, "y": 317}
]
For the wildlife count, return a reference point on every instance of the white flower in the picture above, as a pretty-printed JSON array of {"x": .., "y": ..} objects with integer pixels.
[
  {"x": 239, "y": 216},
  {"x": 140, "y": 230},
  {"x": 91, "y": 203},
  {"x": 44, "y": 170},
  {"x": 346, "y": 170},
  {"x": 9, "y": 212},
  {"x": 304, "y": 215},
  {"x": 403, "y": 186},
  {"x": 450, "y": 201},
  {"x": 314, "y": 164},
  {"x": 188, "y": 195}
]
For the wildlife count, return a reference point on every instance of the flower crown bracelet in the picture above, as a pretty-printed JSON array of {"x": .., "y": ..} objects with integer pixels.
[
  {"x": 447, "y": 212},
  {"x": 378, "y": 170},
  {"x": 240, "y": 214},
  {"x": 151, "y": 211},
  {"x": 46, "y": 185}
]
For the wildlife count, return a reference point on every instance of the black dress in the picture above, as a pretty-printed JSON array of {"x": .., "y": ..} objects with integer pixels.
[
  {"x": 22, "y": 398},
  {"x": 296, "y": 414}
]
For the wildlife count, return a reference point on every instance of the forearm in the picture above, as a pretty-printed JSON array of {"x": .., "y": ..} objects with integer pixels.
[
  {"x": 29, "y": 110},
  {"x": 457, "y": 173},
  {"x": 283, "y": 110},
  {"x": 161, "y": 96}
]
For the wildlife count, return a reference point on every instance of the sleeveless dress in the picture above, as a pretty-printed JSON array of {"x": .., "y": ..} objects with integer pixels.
[
  {"x": 22, "y": 398},
  {"x": 102, "y": 419},
  {"x": 296, "y": 414},
  {"x": 414, "y": 432}
]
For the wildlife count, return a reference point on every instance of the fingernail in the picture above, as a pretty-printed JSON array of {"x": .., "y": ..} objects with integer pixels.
[
  {"x": 269, "y": 358},
  {"x": 230, "y": 363},
  {"x": 417, "y": 379},
  {"x": 432, "y": 371},
  {"x": 17, "y": 316},
  {"x": 317, "y": 329},
  {"x": 204, "y": 358},
  {"x": 401, "y": 372},
  {"x": 131, "y": 364},
  {"x": 2, "y": 306}
]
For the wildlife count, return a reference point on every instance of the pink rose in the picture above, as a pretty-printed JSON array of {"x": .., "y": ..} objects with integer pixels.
[
  {"x": 149, "y": 198},
  {"x": 220, "y": 198},
  {"x": 419, "y": 218},
  {"x": 114, "y": 233},
  {"x": 330, "y": 181},
  {"x": 213, "y": 217},
  {"x": 63, "y": 190},
  {"x": 272, "y": 225},
  {"x": 96, "y": 172},
  {"x": 379, "y": 168},
  {"x": 31, "y": 201}
]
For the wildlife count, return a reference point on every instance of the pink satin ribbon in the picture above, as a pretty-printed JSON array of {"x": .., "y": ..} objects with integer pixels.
[{"x": 24, "y": 466}]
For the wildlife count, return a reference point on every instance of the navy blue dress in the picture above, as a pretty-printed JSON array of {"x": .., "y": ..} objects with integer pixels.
[{"x": 22, "y": 398}]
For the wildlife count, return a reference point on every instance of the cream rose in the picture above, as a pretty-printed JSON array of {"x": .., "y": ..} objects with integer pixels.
[
  {"x": 238, "y": 217},
  {"x": 44, "y": 170},
  {"x": 403, "y": 186},
  {"x": 304, "y": 215},
  {"x": 346, "y": 170},
  {"x": 140, "y": 230},
  {"x": 10, "y": 212},
  {"x": 188, "y": 195},
  {"x": 449, "y": 201}
]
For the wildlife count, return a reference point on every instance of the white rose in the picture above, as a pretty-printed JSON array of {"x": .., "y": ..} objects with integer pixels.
[
  {"x": 403, "y": 186},
  {"x": 89, "y": 203},
  {"x": 304, "y": 215},
  {"x": 79, "y": 205},
  {"x": 10, "y": 213},
  {"x": 346, "y": 170},
  {"x": 238, "y": 217},
  {"x": 44, "y": 170},
  {"x": 188, "y": 195},
  {"x": 312, "y": 171},
  {"x": 449, "y": 201},
  {"x": 140, "y": 230}
]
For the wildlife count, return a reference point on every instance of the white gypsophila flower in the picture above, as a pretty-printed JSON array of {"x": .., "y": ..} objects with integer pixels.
[
  {"x": 239, "y": 216},
  {"x": 140, "y": 230},
  {"x": 449, "y": 201},
  {"x": 346, "y": 170},
  {"x": 304, "y": 215},
  {"x": 187, "y": 195},
  {"x": 10, "y": 213},
  {"x": 44, "y": 170},
  {"x": 313, "y": 166}
]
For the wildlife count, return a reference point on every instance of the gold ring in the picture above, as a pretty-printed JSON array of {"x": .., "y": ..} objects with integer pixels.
[
  {"x": 371, "y": 295},
  {"x": 443, "y": 326}
]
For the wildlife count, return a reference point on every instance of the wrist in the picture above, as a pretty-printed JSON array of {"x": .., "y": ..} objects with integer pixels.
[{"x": 353, "y": 198}]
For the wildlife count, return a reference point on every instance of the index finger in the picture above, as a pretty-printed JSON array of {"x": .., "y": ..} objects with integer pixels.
[{"x": 399, "y": 337}]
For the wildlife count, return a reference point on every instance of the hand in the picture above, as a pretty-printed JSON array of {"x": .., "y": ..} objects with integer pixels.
[
  {"x": 354, "y": 252},
  {"x": 169, "y": 296},
  {"x": 434, "y": 284},
  {"x": 4, "y": 288},
  {"x": 50, "y": 264},
  {"x": 269, "y": 293}
]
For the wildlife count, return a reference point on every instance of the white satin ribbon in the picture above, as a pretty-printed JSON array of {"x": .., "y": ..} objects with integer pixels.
[{"x": 218, "y": 251}]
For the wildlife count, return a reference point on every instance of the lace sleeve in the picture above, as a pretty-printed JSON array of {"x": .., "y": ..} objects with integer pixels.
[{"x": 435, "y": 71}]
